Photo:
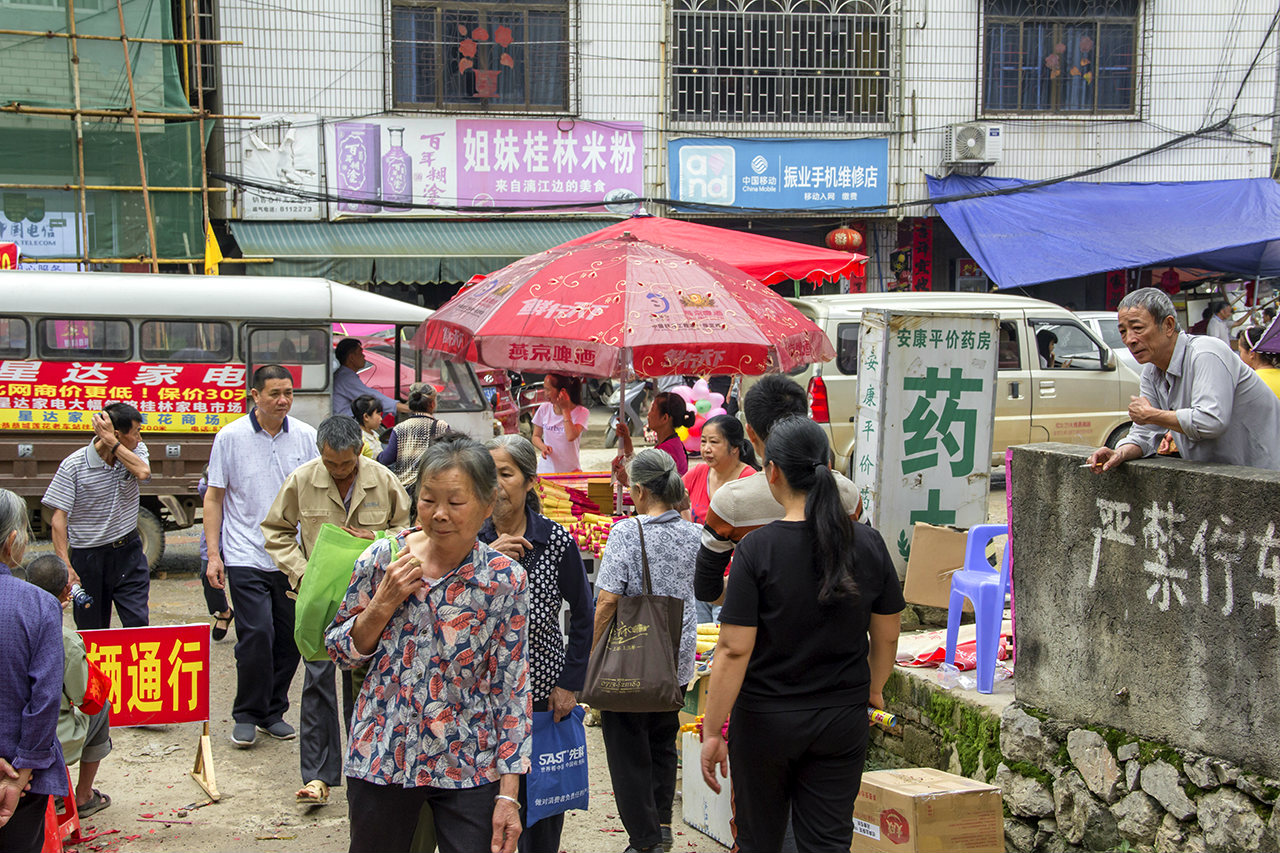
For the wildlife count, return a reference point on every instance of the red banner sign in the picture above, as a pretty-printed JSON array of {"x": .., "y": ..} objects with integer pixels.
[
  {"x": 159, "y": 675},
  {"x": 9, "y": 255},
  {"x": 171, "y": 397}
]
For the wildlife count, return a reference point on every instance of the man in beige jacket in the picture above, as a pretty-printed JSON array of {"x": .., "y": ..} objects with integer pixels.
[{"x": 356, "y": 493}]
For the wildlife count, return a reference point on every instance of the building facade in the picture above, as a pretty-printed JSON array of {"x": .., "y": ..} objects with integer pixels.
[{"x": 789, "y": 117}]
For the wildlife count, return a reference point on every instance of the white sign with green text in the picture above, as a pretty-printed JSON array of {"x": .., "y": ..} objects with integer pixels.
[{"x": 926, "y": 398}]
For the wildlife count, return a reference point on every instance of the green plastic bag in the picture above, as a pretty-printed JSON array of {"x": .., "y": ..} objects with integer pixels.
[{"x": 324, "y": 585}]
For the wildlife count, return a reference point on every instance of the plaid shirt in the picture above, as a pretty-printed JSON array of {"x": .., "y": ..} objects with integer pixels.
[{"x": 446, "y": 702}]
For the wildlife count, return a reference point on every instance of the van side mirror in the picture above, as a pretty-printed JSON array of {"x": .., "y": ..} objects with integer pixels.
[{"x": 1109, "y": 359}]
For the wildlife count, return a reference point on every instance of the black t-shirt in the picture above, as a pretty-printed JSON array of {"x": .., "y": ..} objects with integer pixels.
[{"x": 807, "y": 655}]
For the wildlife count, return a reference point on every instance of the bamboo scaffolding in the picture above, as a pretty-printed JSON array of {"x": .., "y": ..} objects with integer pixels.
[
  {"x": 79, "y": 122},
  {"x": 122, "y": 188},
  {"x": 143, "y": 259},
  {"x": 137, "y": 135},
  {"x": 57, "y": 35},
  {"x": 199, "y": 81},
  {"x": 71, "y": 111}
]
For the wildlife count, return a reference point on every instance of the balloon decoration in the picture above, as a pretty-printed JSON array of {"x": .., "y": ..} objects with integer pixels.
[{"x": 705, "y": 404}]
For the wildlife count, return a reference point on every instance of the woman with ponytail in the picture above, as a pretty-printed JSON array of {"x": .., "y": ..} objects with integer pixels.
[
  {"x": 667, "y": 414},
  {"x": 808, "y": 636}
]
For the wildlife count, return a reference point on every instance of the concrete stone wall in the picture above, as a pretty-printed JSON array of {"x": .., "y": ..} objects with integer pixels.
[{"x": 1147, "y": 600}]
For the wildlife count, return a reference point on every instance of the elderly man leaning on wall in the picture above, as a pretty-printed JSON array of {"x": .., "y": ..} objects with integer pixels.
[
  {"x": 1194, "y": 386},
  {"x": 339, "y": 487}
]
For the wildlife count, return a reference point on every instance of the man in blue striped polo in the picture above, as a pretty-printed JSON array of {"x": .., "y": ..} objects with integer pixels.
[{"x": 94, "y": 498}]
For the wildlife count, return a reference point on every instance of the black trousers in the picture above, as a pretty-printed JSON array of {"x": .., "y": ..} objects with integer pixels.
[
  {"x": 384, "y": 817},
  {"x": 641, "y": 749},
  {"x": 806, "y": 765},
  {"x": 266, "y": 656},
  {"x": 24, "y": 833},
  {"x": 543, "y": 836},
  {"x": 319, "y": 738},
  {"x": 214, "y": 599},
  {"x": 114, "y": 574}
]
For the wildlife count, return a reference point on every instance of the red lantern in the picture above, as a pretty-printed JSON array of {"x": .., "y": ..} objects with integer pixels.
[{"x": 844, "y": 239}]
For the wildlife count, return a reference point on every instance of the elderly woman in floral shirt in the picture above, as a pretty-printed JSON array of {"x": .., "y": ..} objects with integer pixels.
[{"x": 443, "y": 718}]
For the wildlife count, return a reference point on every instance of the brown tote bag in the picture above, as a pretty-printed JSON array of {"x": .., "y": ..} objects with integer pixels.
[{"x": 633, "y": 667}]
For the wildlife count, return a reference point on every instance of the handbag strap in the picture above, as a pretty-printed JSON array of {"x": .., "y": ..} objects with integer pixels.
[{"x": 644, "y": 560}]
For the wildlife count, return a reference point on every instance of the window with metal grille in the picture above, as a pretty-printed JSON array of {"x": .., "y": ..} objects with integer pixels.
[
  {"x": 1061, "y": 56},
  {"x": 781, "y": 60},
  {"x": 485, "y": 55}
]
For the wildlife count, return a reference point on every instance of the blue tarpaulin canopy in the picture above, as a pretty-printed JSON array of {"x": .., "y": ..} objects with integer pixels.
[{"x": 1074, "y": 228}]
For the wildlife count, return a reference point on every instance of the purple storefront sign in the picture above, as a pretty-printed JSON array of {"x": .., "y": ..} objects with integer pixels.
[
  {"x": 534, "y": 162},
  {"x": 358, "y": 147}
]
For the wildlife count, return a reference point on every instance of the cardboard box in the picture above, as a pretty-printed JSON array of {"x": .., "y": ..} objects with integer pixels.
[
  {"x": 695, "y": 700},
  {"x": 704, "y": 810},
  {"x": 936, "y": 553},
  {"x": 924, "y": 810}
]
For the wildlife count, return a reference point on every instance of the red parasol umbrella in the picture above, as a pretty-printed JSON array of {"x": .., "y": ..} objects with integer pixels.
[
  {"x": 624, "y": 307},
  {"x": 767, "y": 258}
]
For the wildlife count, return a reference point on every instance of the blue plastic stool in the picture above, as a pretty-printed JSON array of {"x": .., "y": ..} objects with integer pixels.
[{"x": 986, "y": 588}]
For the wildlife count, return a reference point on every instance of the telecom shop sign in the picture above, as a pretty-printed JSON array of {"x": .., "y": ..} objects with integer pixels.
[
  {"x": 159, "y": 674},
  {"x": 926, "y": 403},
  {"x": 61, "y": 395},
  {"x": 802, "y": 174},
  {"x": 400, "y": 167}
]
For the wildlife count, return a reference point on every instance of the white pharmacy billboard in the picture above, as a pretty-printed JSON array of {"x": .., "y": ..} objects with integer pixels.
[{"x": 926, "y": 400}]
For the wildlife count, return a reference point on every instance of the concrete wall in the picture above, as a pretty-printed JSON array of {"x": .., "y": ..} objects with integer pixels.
[{"x": 1148, "y": 600}]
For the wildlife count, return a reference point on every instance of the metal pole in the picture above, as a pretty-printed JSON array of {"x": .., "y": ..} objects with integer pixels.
[
  {"x": 79, "y": 123},
  {"x": 137, "y": 135},
  {"x": 622, "y": 424}
]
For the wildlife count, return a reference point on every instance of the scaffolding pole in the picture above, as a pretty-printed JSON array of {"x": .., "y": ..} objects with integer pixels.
[
  {"x": 79, "y": 122},
  {"x": 124, "y": 188},
  {"x": 64, "y": 111},
  {"x": 142, "y": 259},
  {"x": 204, "y": 166},
  {"x": 57, "y": 35},
  {"x": 137, "y": 137}
]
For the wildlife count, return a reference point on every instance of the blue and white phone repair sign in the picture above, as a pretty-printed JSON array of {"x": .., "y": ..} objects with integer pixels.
[{"x": 780, "y": 174}]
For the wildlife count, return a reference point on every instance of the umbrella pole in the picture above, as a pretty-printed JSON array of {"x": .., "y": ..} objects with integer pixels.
[{"x": 622, "y": 424}]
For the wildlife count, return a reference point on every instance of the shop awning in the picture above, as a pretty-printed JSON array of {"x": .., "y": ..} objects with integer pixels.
[
  {"x": 1073, "y": 228},
  {"x": 400, "y": 251}
]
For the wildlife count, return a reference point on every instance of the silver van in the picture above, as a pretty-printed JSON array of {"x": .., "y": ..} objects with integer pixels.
[{"x": 1076, "y": 392}]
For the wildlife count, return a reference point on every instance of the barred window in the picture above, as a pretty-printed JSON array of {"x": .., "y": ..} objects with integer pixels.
[
  {"x": 1061, "y": 56},
  {"x": 491, "y": 55},
  {"x": 781, "y": 60}
]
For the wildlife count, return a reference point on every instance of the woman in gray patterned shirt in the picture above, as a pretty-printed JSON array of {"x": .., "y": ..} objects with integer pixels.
[{"x": 641, "y": 747}]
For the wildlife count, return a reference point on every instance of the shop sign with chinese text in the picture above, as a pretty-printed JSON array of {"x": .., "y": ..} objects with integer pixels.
[
  {"x": 60, "y": 395},
  {"x": 381, "y": 166},
  {"x": 780, "y": 174},
  {"x": 926, "y": 399},
  {"x": 159, "y": 674}
]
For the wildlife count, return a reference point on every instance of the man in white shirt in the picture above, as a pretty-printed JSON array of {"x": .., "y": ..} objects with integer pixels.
[{"x": 250, "y": 460}]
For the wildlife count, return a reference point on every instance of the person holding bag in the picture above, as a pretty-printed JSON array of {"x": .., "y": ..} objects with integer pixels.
[
  {"x": 641, "y": 745},
  {"x": 808, "y": 637}
]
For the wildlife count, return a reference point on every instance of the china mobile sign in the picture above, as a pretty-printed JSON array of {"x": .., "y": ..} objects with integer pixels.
[
  {"x": 398, "y": 167},
  {"x": 779, "y": 174}
]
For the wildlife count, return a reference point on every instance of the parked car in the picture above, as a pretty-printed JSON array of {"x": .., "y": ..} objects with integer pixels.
[
  {"x": 1103, "y": 324},
  {"x": 1084, "y": 403}
]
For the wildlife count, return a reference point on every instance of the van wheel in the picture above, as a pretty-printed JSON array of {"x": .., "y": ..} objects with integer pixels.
[
  {"x": 1118, "y": 435},
  {"x": 151, "y": 530}
]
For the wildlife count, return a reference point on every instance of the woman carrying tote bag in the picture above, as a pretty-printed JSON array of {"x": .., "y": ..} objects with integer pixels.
[{"x": 641, "y": 746}]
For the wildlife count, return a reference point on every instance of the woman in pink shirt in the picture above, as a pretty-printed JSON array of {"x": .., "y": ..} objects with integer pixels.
[
  {"x": 727, "y": 456},
  {"x": 667, "y": 414}
]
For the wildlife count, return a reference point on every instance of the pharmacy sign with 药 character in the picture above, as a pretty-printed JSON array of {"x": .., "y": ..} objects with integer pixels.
[{"x": 926, "y": 398}]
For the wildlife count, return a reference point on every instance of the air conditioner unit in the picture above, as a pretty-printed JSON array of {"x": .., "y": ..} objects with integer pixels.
[{"x": 974, "y": 142}]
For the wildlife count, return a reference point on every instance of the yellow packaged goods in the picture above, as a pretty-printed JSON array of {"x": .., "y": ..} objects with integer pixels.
[{"x": 923, "y": 810}]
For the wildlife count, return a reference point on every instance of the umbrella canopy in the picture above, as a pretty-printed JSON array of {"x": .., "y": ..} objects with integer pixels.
[
  {"x": 624, "y": 307},
  {"x": 766, "y": 258}
]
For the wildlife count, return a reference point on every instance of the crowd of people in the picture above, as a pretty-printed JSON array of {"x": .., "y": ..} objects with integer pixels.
[{"x": 449, "y": 638}]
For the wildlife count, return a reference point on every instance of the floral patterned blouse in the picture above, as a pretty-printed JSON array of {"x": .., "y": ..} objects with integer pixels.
[{"x": 446, "y": 702}]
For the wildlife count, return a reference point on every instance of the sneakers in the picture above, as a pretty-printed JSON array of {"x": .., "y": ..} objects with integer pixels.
[
  {"x": 280, "y": 730},
  {"x": 666, "y": 837},
  {"x": 243, "y": 735}
]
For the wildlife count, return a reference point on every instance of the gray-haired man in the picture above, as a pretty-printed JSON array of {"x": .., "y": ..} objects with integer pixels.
[
  {"x": 340, "y": 487},
  {"x": 1194, "y": 386}
]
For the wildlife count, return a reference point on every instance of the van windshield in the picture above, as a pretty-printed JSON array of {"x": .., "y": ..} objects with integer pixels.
[{"x": 456, "y": 387}]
